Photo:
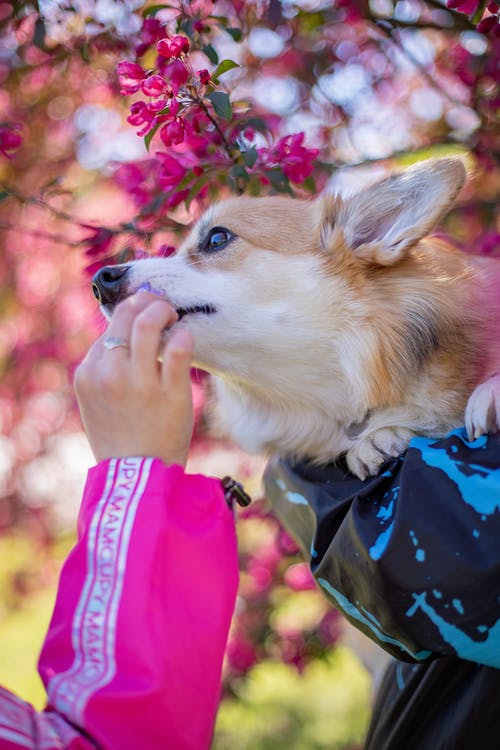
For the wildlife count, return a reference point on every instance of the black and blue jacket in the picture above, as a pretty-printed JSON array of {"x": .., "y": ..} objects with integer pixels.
[{"x": 412, "y": 558}]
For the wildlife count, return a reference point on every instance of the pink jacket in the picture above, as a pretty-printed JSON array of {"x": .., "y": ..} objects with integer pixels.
[{"x": 133, "y": 656}]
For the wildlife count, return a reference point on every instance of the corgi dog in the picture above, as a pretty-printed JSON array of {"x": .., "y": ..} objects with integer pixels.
[{"x": 335, "y": 325}]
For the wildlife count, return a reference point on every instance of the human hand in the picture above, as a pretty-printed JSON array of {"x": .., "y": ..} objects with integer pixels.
[{"x": 131, "y": 405}]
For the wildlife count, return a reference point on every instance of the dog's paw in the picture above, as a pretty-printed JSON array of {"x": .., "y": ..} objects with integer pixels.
[
  {"x": 367, "y": 455},
  {"x": 482, "y": 414}
]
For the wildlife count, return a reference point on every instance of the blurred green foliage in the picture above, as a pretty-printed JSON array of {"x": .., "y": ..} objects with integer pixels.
[
  {"x": 23, "y": 632},
  {"x": 276, "y": 708}
]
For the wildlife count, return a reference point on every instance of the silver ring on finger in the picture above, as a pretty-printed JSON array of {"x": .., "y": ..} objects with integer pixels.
[{"x": 114, "y": 342}]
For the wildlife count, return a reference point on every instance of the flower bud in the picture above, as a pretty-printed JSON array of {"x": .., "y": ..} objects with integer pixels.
[
  {"x": 204, "y": 76},
  {"x": 174, "y": 46}
]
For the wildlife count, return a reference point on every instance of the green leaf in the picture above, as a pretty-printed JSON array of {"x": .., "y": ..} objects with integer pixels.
[
  {"x": 221, "y": 104},
  {"x": 196, "y": 187},
  {"x": 239, "y": 178},
  {"x": 211, "y": 53},
  {"x": 309, "y": 185},
  {"x": 250, "y": 156},
  {"x": 39, "y": 34},
  {"x": 3, "y": 195},
  {"x": 187, "y": 27},
  {"x": 221, "y": 19},
  {"x": 479, "y": 12},
  {"x": 153, "y": 9},
  {"x": 149, "y": 136},
  {"x": 279, "y": 181},
  {"x": 239, "y": 172},
  {"x": 185, "y": 182},
  {"x": 222, "y": 68},
  {"x": 258, "y": 124},
  {"x": 84, "y": 52},
  {"x": 235, "y": 33}
]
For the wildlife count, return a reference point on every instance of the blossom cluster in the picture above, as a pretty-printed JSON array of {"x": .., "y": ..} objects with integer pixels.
[
  {"x": 201, "y": 142},
  {"x": 274, "y": 564}
]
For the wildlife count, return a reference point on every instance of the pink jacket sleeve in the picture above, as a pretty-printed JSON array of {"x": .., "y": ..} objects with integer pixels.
[{"x": 134, "y": 651}]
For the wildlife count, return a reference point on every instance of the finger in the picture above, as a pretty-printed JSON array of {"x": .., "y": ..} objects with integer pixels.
[
  {"x": 145, "y": 338},
  {"x": 126, "y": 311},
  {"x": 177, "y": 356},
  {"x": 120, "y": 325},
  {"x": 176, "y": 369}
]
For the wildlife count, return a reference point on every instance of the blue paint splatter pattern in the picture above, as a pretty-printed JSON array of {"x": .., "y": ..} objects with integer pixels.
[{"x": 415, "y": 548}]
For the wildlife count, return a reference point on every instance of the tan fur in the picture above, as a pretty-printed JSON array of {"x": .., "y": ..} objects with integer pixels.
[{"x": 339, "y": 327}]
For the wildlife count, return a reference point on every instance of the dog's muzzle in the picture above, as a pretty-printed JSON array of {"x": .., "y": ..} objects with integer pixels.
[{"x": 109, "y": 284}]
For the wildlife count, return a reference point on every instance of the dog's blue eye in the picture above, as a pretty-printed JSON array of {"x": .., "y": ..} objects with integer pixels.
[{"x": 218, "y": 238}]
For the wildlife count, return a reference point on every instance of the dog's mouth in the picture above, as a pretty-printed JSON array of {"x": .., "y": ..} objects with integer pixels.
[
  {"x": 181, "y": 311},
  {"x": 195, "y": 309}
]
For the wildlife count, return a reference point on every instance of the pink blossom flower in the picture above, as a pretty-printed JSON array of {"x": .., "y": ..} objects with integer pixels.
[
  {"x": 330, "y": 627},
  {"x": 299, "y": 577},
  {"x": 487, "y": 24},
  {"x": 198, "y": 145},
  {"x": 173, "y": 132},
  {"x": 462, "y": 63},
  {"x": 204, "y": 76},
  {"x": 10, "y": 140},
  {"x": 492, "y": 62},
  {"x": 165, "y": 251},
  {"x": 241, "y": 653},
  {"x": 289, "y": 154},
  {"x": 174, "y": 107},
  {"x": 176, "y": 74},
  {"x": 99, "y": 240},
  {"x": 287, "y": 544},
  {"x": 138, "y": 179},
  {"x": 352, "y": 12},
  {"x": 295, "y": 159},
  {"x": 177, "y": 198},
  {"x": 293, "y": 650},
  {"x": 130, "y": 76},
  {"x": 260, "y": 575},
  {"x": 171, "y": 171},
  {"x": 145, "y": 115},
  {"x": 468, "y": 7},
  {"x": 151, "y": 31},
  {"x": 175, "y": 46},
  {"x": 155, "y": 86}
]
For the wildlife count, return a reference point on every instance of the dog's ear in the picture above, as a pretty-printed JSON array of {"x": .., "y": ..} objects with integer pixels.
[{"x": 384, "y": 220}]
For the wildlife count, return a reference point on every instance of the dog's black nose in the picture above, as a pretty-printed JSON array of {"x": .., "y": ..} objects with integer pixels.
[{"x": 109, "y": 284}]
